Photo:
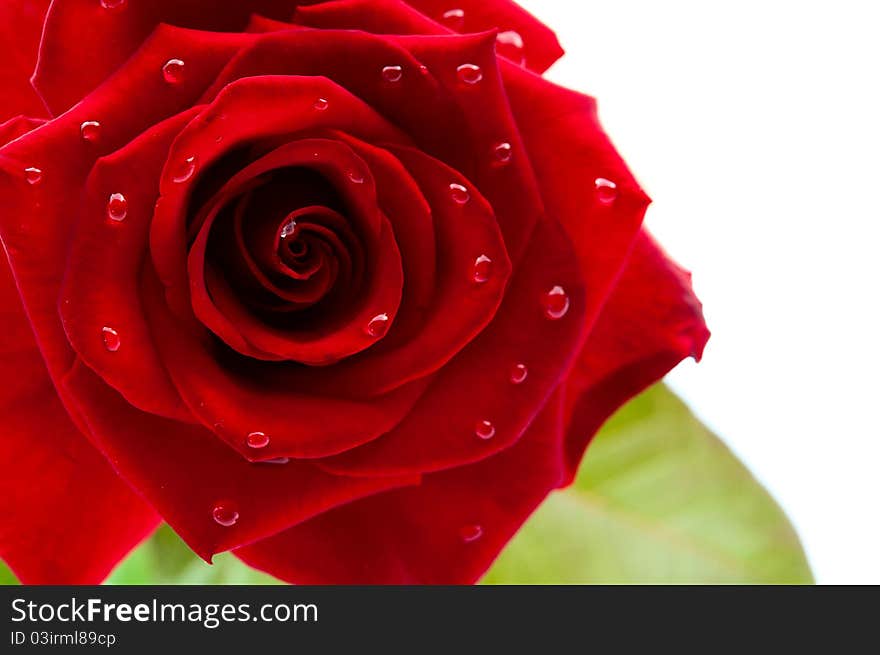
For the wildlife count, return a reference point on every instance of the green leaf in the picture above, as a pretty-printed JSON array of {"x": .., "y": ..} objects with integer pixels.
[
  {"x": 165, "y": 559},
  {"x": 659, "y": 500},
  {"x": 7, "y": 577}
]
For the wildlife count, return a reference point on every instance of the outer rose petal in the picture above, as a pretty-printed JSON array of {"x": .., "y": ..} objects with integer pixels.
[
  {"x": 439, "y": 432},
  {"x": 126, "y": 106},
  {"x": 652, "y": 321},
  {"x": 65, "y": 75},
  {"x": 447, "y": 530},
  {"x": 67, "y": 517},
  {"x": 21, "y": 23},
  {"x": 570, "y": 152},
  {"x": 186, "y": 471},
  {"x": 540, "y": 46},
  {"x": 18, "y": 127}
]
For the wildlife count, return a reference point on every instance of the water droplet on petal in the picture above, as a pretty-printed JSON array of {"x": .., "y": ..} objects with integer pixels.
[
  {"x": 606, "y": 191},
  {"x": 454, "y": 19},
  {"x": 111, "y": 338},
  {"x": 278, "y": 461},
  {"x": 117, "y": 207},
  {"x": 470, "y": 74},
  {"x": 556, "y": 303},
  {"x": 322, "y": 104},
  {"x": 113, "y": 4},
  {"x": 356, "y": 177},
  {"x": 503, "y": 153},
  {"x": 378, "y": 326},
  {"x": 470, "y": 533},
  {"x": 392, "y": 74},
  {"x": 90, "y": 131},
  {"x": 33, "y": 175},
  {"x": 424, "y": 70},
  {"x": 510, "y": 45},
  {"x": 173, "y": 71},
  {"x": 519, "y": 373},
  {"x": 288, "y": 229},
  {"x": 225, "y": 515},
  {"x": 482, "y": 269},
  {"x": 460, "y": 194},
  {"x": 257, "y": 440},
  {"x": 485, "y": 430},
  {"x": 185, "y": 171}
]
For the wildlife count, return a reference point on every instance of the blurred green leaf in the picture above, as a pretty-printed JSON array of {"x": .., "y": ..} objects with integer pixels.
[
  {"x": 659, "y": 500},
  {"x": 165, "y": 559},
  {"x": 7, "y": 577}
]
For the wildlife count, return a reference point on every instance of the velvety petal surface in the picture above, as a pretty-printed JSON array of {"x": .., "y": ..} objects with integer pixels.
[
  {"x": 67, "y": 517},
  {"x": 447, "y": 530},
  {"x": 21, "y": 24},
  {"x": 651, "y": 322}
]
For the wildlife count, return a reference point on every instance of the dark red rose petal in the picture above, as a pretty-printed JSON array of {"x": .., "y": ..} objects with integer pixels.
[
  {"x": 67, "y": 517},
  {"x": 287, "y": 107},
  {"x": 575, "y": 163},
  {"x": 535, "y": 44},
  {"x": 447, "y": 530},
  {"x": 319, "y": 341},
  {"x": 101, "y": 292},
  {"x": 126, "y": 105},
  {"x": 651, "y": 322},
  {"x": 445, "y": 116},
  {"x": 233, "y": 398},
  {"x": 64, "y": 75},
  {"x": 477, "y": 383},
  {"x": 540, "y": 46},
  {"x": 21, "y": 22},
  {"x": 17, "y": 127},
  {"x": 187, "y": 474}
]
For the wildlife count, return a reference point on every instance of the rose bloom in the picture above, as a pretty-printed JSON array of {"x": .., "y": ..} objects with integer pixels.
[{"x": 343, "y": 287}]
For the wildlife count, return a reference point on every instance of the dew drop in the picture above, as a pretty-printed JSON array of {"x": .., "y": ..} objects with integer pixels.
[
  {"x": 356, "y": 177},
  {"x": 606, "y": 191},
  {"x": 392, "y": 74},
  {"x": 556, "y": 303},
  {"x": 519, "y": 374},
  {"x": 113, "y": 4},
  {"x": 503, "y": 153},
  {"x": 470, "y": 533},
  {"x": 460, "y": 194},
  {"x": 33, "y": 175},
  {"x": 485, "y": 430},
  {"x": 482, "y": 269},
  {"x": 454, "y": 19},
  {"x": 288, "y": 229},
  {"x": 225, "y": 515},
  {"x": 185, "y": 171},
  {"x": 90, "y": 131},
  {"x": 322, "y": 104},
  {"x": 510, "y": 45},
  {"x": 173, "y": 71},
  {"x": 278, "y": 461},
  {"x": 378, "y": 326},
  {"x": 111, "y": 339},
  {"x": 117, "y": 207},
  {"x": 257, "y": 440},
  {"x": 424, "y": 70},
  {"x": 470, "y": 74}
]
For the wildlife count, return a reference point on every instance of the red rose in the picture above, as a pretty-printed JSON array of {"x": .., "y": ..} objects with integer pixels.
[{"x": 324, "y": 283}]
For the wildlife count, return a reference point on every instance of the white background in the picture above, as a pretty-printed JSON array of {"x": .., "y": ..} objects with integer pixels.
[{"x": 754, "y": 127}]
